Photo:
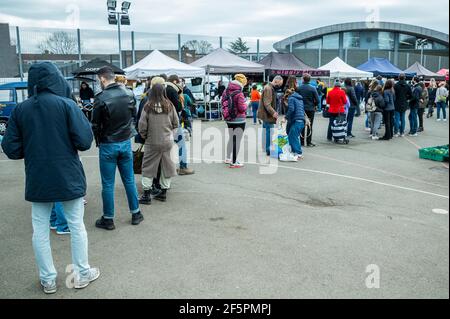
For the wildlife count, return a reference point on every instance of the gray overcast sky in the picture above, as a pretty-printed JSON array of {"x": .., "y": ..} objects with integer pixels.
[{"x": 269, "y": 20}]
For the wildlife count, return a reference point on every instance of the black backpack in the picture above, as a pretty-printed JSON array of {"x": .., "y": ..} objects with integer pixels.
[{"x": 229, "y": 111}]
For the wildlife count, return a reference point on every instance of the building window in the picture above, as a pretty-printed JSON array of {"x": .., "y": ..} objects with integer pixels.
[
  {"x": 331, "y": 41},
  {"x": 386, "y": 40},
  {"x": 352, "y": 40},
  {"x": 314, "y": 44},
  {"x": 407, "y": 42}
]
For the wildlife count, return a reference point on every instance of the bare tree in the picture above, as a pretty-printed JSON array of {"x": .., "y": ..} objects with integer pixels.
[
  {"x": 200, "y": 47},
  {"x": 59, "y": 42}
]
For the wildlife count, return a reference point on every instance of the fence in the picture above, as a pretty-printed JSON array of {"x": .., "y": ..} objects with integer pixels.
[
  {"x": 403, "y": 59},
  {"x": 71, "y": 48}
]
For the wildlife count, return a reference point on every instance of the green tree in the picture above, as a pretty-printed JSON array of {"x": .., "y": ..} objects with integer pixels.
[{"x": 239, "y": 46}]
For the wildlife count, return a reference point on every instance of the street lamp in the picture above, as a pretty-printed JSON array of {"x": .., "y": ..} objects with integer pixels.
[{"x": 118, "y": 18}]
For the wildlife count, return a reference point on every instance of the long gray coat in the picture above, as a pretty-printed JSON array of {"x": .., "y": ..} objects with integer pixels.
[{"x": 157, "y": 130}]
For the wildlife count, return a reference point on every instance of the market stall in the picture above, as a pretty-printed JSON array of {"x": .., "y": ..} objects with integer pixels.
[
  {"x": 424, "y": 73},
  {"x": 222, "y": 62},
  {"x": 286, "y": 64},
  {"x": 383, "y": 67},
  {"x": 92, "y": 67},
  {"x": 157, "y": 63},
  {"x": 339, "y": 69}
]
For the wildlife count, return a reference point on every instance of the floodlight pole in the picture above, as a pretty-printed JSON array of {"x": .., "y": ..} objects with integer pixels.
[{"x": 120, "y": 40}]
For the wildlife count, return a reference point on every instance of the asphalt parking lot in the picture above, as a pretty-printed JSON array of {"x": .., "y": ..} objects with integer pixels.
[{"x": 309, "y": 230}]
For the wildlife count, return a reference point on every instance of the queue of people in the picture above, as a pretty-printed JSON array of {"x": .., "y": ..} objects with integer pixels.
[{"x": 55, "y": 178}]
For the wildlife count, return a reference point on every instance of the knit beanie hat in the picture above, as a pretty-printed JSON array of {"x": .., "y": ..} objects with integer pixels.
[
  {"x": 157, "y": 80},
  {"x": 337, "y": 83},
  {"x": 241, "y": 78}
]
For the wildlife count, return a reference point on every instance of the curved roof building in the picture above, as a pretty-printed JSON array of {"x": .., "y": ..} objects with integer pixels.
[{"x": 356, "y": 42}]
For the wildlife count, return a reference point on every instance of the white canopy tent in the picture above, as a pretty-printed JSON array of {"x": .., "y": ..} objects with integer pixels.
[
  {"x": 223, "y": 62},
  {"x": 340, "y": 69},
  {"x": 157, "y": 63}
]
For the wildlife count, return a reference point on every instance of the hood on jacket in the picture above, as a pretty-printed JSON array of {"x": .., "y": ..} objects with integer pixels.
[
  {"x": 174, "y": 86},
  {"x": 45, "y": 76},
  {"x": 234, "y": 86}
]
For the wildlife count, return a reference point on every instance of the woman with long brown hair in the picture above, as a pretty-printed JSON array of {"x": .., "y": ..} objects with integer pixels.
[
  {"x": 389, "y": 109},
  {"x": 158, "y": 121}
]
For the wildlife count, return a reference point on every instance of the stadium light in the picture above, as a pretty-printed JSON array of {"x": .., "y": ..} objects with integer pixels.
[
  {"x": 118, "y": 18},
  {"x": 126, "y": 6},
  {"x": 112, "y": 18},
  {"x": 125, "y": 19},
  {"x": 112, "y": 5}
]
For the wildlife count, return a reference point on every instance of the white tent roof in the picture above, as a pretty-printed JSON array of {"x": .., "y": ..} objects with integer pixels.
[
  {"x": 340, "y": 69},
  {"x": 221, "y": 61},
  {"x": 157, "y": 63}
]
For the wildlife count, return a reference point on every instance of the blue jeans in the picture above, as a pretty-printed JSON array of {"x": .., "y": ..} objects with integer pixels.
[
  {"x": 181, "y": 142},
  {"x": 40, "y": 213},
  {"x": 57, "y": 218},
  {"x": 367, "y": 123},
  {"x": 441, "y": 106},
  {"x": 413, "y": 121},
  {"x": 350, "y": 117},
  {"x": 112, "y": 156},
  {"x": 400, "y": 123},
  {"x": 294, "y": 136},
  {"x": 268, "y": 127},
  {"x": 255, "y": 106}
]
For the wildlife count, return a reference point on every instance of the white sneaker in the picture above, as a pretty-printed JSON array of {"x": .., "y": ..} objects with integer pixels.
[
  {"x": 367, "y": 129},
  {"x": 397, "y": 135},
  {"x": 84, "y": 281},
  {"x": 403, "y": 135},
  {"x": 445, "y": 120},
  {"x": 236, "y": 165},
  {"x": 375, "y": 138},
  {"x": 49, "y": 287},
  {"x": 227, "y": 161},
  {"x": 300, "y": 157},
  {"x": 438, "y": 120}
]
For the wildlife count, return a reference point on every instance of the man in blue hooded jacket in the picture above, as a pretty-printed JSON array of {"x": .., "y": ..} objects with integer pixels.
[{"x": 47, "y": 131}]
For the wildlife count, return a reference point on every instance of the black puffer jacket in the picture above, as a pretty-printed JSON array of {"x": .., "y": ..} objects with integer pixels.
[
  {"x": 114, "y": 113},
  {"x": 403, "y": 94}
]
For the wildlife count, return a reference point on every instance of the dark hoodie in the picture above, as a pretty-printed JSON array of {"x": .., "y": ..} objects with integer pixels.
[
  {"x": 48, "y": 130},
  {"x": 403, "y": 94}
]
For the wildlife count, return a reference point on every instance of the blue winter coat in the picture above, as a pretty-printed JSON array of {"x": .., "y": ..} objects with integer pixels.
[
  {"x": 296, "y": 109},
  {"x": 48, "y": 130}
]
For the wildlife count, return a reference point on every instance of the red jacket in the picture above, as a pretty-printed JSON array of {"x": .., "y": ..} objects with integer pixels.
[{"x": 336, "y": 99}]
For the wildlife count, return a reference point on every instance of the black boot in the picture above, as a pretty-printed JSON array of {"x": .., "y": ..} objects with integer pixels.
[
  {"x": 146, "y": 198},
  {"x": 107, "y": 224},
  {"x": 137, "y": 218},
  {"x": 162, "y": 196}
]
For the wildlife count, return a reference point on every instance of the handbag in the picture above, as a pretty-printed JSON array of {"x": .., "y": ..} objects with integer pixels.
[{"x": 138, "y": 157}]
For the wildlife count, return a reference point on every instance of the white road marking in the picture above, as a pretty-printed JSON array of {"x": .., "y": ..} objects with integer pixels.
[
  {"x": 377, "y": 170},
  {"x": 334, "y": 175},
  {"x": 440, "y": 211},
  {"x": 347, "y": 177}
]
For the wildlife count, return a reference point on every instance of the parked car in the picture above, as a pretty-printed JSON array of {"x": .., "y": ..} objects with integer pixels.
[{"x": 11, "y": 94}]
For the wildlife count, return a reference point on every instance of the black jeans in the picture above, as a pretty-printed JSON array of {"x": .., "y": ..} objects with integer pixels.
[
  {"x": 388, "y": 118},
  {"x": 421, "y": 112},
  {"x": 236, "y": 132},
  {"x": 310, "y": 115}
]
